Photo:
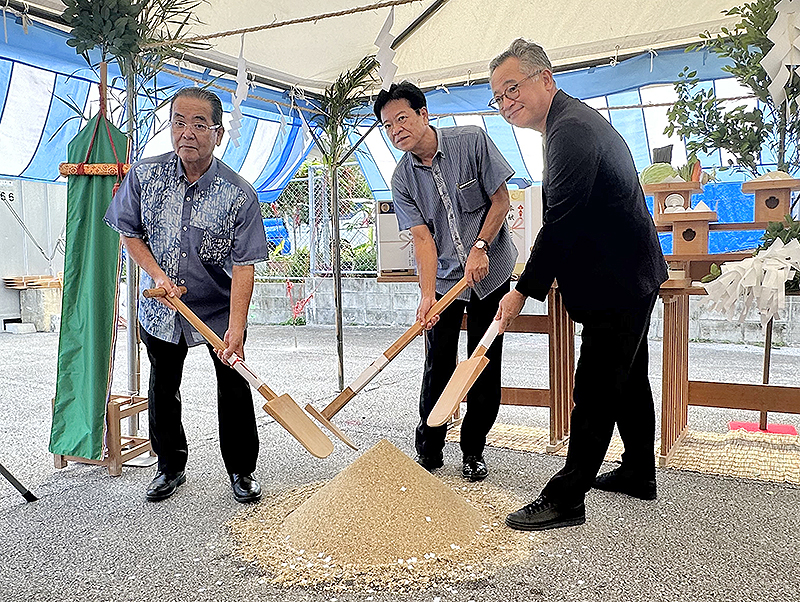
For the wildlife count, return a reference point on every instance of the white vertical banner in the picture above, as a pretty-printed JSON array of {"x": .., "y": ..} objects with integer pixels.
[
  {"x": 239, "y": 97},
  {"x": 385, "y": 55},
  {"x": 784, "y": 57}
]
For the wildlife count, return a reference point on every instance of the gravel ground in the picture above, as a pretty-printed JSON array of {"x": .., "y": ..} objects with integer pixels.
[{"x": 91, "y": 537}]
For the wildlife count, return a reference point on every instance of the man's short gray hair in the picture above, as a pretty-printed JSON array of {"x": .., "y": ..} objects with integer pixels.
[
  {"x": 531, "y": 56},
  {"x": 200, "y": 94}
]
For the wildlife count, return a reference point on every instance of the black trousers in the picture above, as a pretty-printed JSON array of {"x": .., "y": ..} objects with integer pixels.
[
  {"x": 611, "y": 387},
  {"x": 238, "y": 437},
  {"x": 441, "y": 358}
]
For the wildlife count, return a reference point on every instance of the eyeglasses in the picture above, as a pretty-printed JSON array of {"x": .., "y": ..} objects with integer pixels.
[
  {"x": 197, "y": 128},
  {"x": 512, "y": 92}
]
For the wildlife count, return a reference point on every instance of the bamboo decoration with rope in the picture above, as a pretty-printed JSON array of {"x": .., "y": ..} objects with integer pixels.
[
  {"x": 97, "y": 169},
  {"x": 93, "y": 169}
]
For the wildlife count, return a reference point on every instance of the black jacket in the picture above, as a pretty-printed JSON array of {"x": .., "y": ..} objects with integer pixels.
[{"x": 598, "y": 239}]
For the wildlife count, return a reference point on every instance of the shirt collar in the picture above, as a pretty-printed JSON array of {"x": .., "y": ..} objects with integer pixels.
[
  {"x": 205, "y": 180},
  {"x": 557, "y": 105},
  {"x": 439, "y": 153}
]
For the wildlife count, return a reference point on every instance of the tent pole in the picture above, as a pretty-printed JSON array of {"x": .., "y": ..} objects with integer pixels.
[
  {"x": 337, "y": 271},
  {"x": 418, "y": 22},
  {"x": 132, "y": 280},
  {"x": 337, "y": 255}
]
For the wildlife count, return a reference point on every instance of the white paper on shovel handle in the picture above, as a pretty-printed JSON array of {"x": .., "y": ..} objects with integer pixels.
[
  {"x": 490, "y": 335},
  {"x": 238, "y": 364},
  {"x": 368, "y": 374}
]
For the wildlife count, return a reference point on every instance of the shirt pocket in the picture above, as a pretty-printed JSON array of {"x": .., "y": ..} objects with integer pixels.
[
  {"x": 214, "y": 250},
  {"x": 471, "y": 195}
]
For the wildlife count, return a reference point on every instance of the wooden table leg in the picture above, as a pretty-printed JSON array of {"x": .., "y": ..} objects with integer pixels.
[
  {"x": 762, "y": 421},
  {"x": 675, "y": 383},
  {"x": 562, "y": 370}
]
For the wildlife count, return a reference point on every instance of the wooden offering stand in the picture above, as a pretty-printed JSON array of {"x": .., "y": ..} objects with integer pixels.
[
  {"x": 678, "y": 392},
  {"x": 690, "y": 261},
  {"x": 662, "y": 190},
  {"x": 689, "y": 228},
  {"x": 773, "y": 197}
]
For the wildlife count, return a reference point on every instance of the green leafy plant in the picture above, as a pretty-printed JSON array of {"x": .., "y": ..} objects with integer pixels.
[
  {"x": 140, "y": 36},
  {"x": 298, "y": 321},
  {"x": 296, "y": 265},
  {"x": 708, "y": 123},
  {"x": 365, "y": 256},
  {"x": 339, "y": 107},
  {"x": 714, "y": 272},
  {"x": 113, "y": 26}
]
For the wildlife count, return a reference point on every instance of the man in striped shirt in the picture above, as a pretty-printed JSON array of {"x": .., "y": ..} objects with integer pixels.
[{"x": 449, "y": 190}]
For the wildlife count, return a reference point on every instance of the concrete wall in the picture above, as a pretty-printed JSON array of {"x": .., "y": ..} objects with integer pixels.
[
  {"x": 42, "y": 208},
  {"x": 365, "y": 301},
  {"x": 369, "y": 302},
  {"x": 42, "y": 308}
]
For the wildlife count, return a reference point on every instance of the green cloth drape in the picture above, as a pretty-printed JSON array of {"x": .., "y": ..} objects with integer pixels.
[{"x": 89, "y": 302}]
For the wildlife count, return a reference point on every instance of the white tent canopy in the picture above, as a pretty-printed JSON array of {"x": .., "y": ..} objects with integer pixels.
[{"x": 453, "y": 45}]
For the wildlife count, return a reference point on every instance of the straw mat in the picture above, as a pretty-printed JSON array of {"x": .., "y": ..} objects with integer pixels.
[{"x": 749, "y": 455}]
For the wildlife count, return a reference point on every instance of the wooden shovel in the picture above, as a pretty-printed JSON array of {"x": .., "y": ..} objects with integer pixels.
[
  {"x": 282, "y": 408},
  {"x": 379, "y": 364},
  {"x": 464, "y": 376}
]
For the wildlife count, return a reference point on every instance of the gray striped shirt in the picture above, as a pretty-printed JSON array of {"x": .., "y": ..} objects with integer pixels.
[{"x": 452, "y": 197}]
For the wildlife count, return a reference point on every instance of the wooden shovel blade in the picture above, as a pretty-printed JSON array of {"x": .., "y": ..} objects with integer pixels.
[
  {"x": 292, "y": 417},
  {"x": 465, "y": 375},
  {"x": 330, "y": 426}
]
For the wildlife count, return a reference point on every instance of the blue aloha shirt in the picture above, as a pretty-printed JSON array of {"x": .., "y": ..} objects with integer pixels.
[{"x": 197, "y": 232}]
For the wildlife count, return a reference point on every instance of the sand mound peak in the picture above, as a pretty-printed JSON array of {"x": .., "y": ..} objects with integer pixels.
[{"x": 382, "y": 508}]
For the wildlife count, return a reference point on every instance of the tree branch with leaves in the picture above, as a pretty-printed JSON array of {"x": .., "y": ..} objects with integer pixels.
[{"x": 708, "y": 123}]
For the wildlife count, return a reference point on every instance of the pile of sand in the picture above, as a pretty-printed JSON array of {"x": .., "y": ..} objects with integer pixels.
[
  {"x": 382, "y": 509},
  {"x": 383, "y": 523}
]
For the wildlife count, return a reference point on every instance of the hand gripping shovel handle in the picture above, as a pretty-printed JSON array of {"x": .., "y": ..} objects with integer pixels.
[
  {"x": 464, "y": 376},
  {"x": 379, "y": 364},
  {"x": 219, "y": 345},
  {"x": 285, "y": 410}
]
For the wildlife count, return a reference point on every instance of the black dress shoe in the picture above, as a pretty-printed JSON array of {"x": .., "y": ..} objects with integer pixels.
[
  {"x": 430, "y": 463},
  {"x": 474, "y": 468},
  {"x": 543, "y": 514},
  {"x": 164, "y": 485},
  {"x": 620, "y": 480},
  {"x": 245, "y": 488}
]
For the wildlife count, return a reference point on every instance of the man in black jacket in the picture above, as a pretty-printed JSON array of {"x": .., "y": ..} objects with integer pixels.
[{"x": 599, "y": 242}]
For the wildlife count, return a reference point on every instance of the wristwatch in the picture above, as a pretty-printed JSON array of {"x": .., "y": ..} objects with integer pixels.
[{"x": 482, "y": 245}]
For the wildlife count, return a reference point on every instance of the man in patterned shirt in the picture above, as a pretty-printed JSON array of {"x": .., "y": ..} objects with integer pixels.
[
  {"x": 449, "y": 190},
  {"x": 188, "y": 220}
]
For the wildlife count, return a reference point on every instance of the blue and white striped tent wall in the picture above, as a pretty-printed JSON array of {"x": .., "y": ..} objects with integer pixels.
[
  {"x": 38, "y": 69},
  {"x": 642, "y": 80}
]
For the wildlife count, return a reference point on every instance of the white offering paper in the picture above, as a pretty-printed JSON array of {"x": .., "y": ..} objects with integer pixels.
[{"x": 757, "y": 281}]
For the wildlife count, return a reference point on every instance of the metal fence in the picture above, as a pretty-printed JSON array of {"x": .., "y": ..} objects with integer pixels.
[{"x": 299, "y": 226}]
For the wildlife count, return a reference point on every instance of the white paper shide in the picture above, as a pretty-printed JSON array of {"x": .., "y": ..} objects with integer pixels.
[{"x": 758, "y": 281}]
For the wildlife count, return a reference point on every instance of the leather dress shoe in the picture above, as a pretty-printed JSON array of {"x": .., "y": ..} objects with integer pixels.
[
  {"x": 620, "y": 480},
  {"x": 543, "y": 514},
  {"x": 474, "y": 468},
  {"x": 245, "y": 488},
  {"x": 164, "y": 485},
  {"x": 430, "y": 463}
]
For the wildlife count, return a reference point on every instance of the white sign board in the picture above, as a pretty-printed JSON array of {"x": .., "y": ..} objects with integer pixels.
[{"x": 395, "y": 248}]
